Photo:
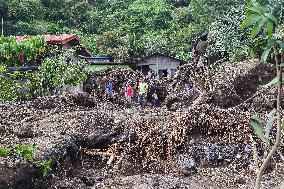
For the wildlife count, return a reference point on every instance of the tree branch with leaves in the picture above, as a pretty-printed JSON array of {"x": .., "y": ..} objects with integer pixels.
[{"x": 264, "y": 26}]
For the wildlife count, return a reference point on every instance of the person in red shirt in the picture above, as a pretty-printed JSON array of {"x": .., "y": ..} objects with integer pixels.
[{"x": 128, "y": 94}]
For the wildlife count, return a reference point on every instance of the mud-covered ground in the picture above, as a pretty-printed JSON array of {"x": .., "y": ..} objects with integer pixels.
[
  {"x": 66, "y": 130},
  {"x": 206, "y": 141}
]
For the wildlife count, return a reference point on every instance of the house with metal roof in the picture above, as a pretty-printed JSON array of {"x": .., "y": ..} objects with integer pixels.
[
  {"x": 66, "y": 42},
  {"x": 160, "y": 64}
]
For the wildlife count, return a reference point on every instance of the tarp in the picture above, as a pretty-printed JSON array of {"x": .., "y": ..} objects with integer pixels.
[
  {"x": 22, "y": 69},
  {"x": 94, "y": 68}
]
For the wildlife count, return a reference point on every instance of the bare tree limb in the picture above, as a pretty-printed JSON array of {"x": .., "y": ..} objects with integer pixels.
[{"x": 279, "y": 117}]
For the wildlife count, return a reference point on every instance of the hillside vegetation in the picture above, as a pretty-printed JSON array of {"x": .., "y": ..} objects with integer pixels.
[
  {"x": 216, "y": 125},
  {"x": 131, "y": 29}
]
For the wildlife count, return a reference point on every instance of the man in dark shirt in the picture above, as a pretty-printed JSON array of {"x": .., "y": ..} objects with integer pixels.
[{"x": 200, "y": 48}]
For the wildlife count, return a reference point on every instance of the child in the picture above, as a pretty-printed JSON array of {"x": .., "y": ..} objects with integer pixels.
[
  {"x": 128, "y": 94},
  {"x": 155, "y": 99}
]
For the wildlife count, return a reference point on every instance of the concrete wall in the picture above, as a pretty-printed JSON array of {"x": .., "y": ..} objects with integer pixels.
[
  {"x": 159, "y": 64},
  {"x": 72, "y": 89},
  {"x": 69, "y": 52}
]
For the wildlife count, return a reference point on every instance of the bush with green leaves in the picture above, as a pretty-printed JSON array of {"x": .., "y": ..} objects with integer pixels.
[
  {"x": 53, "y": 75},
  {"x": 262, "y": 127},
  {"x": 226, "y": 35},
  {"x": 14, "y": 53},
  {"x": 44, "y": 166},
  {"x": 4, "y": 152},
  {"x": 8, "y": 88},
  {"x": 50, "y": 78},
  {"x": 265, "y": 28},
  {"x": 24, "y": 151},
  {"x": 27, "y": 153},
  {"x": 18, "y": 150}
]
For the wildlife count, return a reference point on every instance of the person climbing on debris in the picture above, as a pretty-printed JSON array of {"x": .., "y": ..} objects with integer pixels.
[
  {"x": 155, "y": 99},
  {"x": 128, "y": 94},
  {"x": 142, "y": 92},
  {"x": 200, "y": 47}
]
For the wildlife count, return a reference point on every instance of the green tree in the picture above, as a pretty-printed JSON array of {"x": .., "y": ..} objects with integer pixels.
[
  {"x": 178, "y": 22},
  {"x": 112, "y": 43},
  {"x": 27, "y": 10},
  {"x": 3, "y": 9},
  {"x": 263, "y": 22}
]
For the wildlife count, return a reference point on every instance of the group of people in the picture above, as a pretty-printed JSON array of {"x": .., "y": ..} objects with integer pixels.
[
  {"x": 198, "y": 52},
  {"x": 143, "y": 88}
]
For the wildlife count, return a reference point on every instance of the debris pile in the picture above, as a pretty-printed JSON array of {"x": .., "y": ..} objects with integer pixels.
[
  {"x": 236, "y": 82},
  {"x": 187, "y": 86},
  {"x": 120, "y": 77},
  {"x": 134, "y": 140},
  {"x": 155, "y": 145},
  {"x": 174, "y": 89}
]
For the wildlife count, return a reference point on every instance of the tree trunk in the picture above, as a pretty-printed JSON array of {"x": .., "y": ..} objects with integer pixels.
[{"x": 279, "y": 117}]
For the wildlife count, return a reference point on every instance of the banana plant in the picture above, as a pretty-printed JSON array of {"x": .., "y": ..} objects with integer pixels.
[
  {"x": 262, "y": 127},
  {"x": 262, "y": 20}
]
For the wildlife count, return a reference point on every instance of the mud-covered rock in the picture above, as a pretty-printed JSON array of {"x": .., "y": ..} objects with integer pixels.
[
  {"x": 17, "y": 174},
  {"x": 236, "y": 82}
]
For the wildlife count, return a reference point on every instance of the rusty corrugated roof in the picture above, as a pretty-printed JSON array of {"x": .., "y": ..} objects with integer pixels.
[{"x": 62, "y": 38}]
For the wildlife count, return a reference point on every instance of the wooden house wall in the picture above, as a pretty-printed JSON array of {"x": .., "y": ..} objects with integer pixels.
[{"x": 159, "y": 63}]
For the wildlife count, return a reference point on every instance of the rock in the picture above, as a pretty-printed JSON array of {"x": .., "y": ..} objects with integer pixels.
[
  {"x": 25, "y": 132},
  {"x": 19, "y": 176},
  {"x": 240, "y": 180},
  {"x": 101, "y": 140},
  {"x": 89, "y": 181},
  {"x": 186, "y": 171}
]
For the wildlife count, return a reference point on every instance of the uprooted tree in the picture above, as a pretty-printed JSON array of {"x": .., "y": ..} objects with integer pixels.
[{"x": 259, "y": 16}]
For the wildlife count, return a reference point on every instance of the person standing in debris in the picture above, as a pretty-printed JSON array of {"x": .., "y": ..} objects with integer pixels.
[
  {"x": 110, "y": 92},
  {"x": 150, "y": 75},
  {"x": 189, "y": 86},
  {"x": 142, "y": 92},
  {"x": 155, "y": 100},
  {"x": 128, "y": 94},
  {"x": 200, "y": 48}
]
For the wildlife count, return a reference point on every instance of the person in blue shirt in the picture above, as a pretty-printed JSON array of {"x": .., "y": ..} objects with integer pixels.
[
  {"x": 189, "y": 86},
  {"x": 155, "y": 99},
  {"x": 110, "y": 91}
]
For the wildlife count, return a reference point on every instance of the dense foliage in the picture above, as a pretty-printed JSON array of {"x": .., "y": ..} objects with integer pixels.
[
  {"x": 26, "y": 152},
  {"x": 51, "y": 77},
  {"x": 14, "y": 53},
  {"x": 131, "y": 29}
]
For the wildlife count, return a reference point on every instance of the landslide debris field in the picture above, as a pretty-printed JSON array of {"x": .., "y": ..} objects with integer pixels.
[{"x": 197, "y": 139}]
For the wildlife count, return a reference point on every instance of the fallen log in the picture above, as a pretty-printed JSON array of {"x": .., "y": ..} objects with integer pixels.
[{"x": 96, "y": 152}]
